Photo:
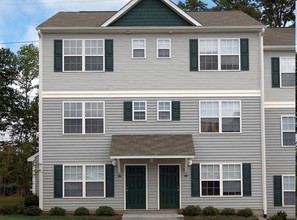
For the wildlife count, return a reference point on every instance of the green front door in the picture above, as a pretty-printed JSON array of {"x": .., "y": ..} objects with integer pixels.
[
  {"x": 135, "y": 187},
  {"x": 169, "y": 187}
]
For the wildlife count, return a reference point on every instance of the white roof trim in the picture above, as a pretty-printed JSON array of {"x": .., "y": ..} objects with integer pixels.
[
  {"x": 132, "y": 3},
  {"x": 153, "y": 157},
  {"x": 32, "y": 158}
]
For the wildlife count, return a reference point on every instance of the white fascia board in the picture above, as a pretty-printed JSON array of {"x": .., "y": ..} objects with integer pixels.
[
  {"x": 279, "y": 104},
  {"x": 152, "y": 94},
  {"x": 32, "y": 158},
  {"x": 151, "y": 157}
]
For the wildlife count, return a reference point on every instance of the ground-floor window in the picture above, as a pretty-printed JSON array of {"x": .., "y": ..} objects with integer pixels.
[{"x": 288, "y": 190}]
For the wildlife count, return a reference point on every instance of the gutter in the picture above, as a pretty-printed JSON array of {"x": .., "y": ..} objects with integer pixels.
[{"x": 263, "y": 132}]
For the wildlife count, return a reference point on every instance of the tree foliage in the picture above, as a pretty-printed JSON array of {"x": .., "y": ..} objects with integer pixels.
[{"x": 192, "y": 5}]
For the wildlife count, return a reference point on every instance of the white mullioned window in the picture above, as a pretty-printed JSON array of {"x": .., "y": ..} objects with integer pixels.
[
  {"x": 219, "y": 54},
  {"x": 288, "y": 138},
  {"x": 220, "y": 116},
  {"x": 138, "y": 48},
  {"x": 139, "y": 110},
  {"x": 163, "y": 48},
  {"x": 221, "y": 180},
  {"x": 287, "y": 71},
  {"x": 83, "y": 180},
  {"x": 288, "y": 187},
  {"x": 83, "y": 55},
  {"x": 164, "y": 111},
  {"x": 83, "y": 117}
]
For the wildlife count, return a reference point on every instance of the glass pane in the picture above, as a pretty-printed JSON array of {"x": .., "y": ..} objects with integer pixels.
[
  {"x": 208, "y": 46},
  {"x": 230, "y": 109},
  {"x": 289, "y": 183},
  {"x": 288, "y": 138},
  {"x": 209, "y": 125},
  {"x": 230, "y": 125},
  {"x": 139, "y": 115},
  {"x": 94, "y": 173},
  {"x": 231, "y": 171},
  {"x": 94, "y": 126},
  {"x": 72, "y": 125},
  {"x": 164, "y": 115},
  {"x": 138, "y": 44},
  {"x": 209, "y": 109},
  {"x": 209, "y": 62},
  {"x": 164, "y": 106},
  {"x": 94, "y": 109},
  {"x": 139, "y": 106},
  {"x": 94, "y": 47},
  {"x": 73, "y": 63},
  {"x": 230, "y": 62},
  {"x": 210, "y": 188},
  {"x": 94, "y": 189},
  {"x": 287, "y": 65},
  {"x": 73, "y": 190},
  {"x": 288, "y": 123},
  {"x": 210, "y": 172},
  {"x": 72, "y": 173},
  {"x": 163, "y": 53},
  {"x": 138, "y": 53},
  {"x": 288, "y": 79},
  {"x": 231, "y": 188},
  {"x": 164, "y": 44},
  {"x": 72, "y": 47},
  {"x": 94, "y": 63},
  {"x": 289, "y": 198},
  {"x": 229, "y": 46}
]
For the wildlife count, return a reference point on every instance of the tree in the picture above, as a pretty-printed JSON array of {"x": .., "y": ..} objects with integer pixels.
[{"x": 192, "y": 5}]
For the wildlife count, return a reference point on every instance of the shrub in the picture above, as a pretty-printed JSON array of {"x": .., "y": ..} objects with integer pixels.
[
  {"x": 210, "y": 210},
  {"x": 31, "y": 200},
  {"x": 228, "y": 211},
  {"x": 33, "y": 211},
  {"x": 7, "y": 210},
  {"x": 81, "y": 211},
  {"x": 57, "y": 211},
  {"x": 192, "y": 210},
  {"x": 279, "y": 216},
  {"x": 247, "y": 212},
  {"x": 105, "y": 210}
]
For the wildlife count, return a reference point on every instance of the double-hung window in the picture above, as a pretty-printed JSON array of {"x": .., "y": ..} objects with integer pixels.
[
  {"x": 163, "y": 48},
  {"x": 288, "y": 131},
  {"x": 138, "y": 48},
  {"x": 139, "y": 110},
  {"x": 219, "y": 54},
  {"x": 287, "y": 71},
  {"x": 83, "y": 117},
  {"x": 83, "y": 55},
  {"x": 84, "y": 180},
  {"x": 288, "y": 190},
  {"x": 220, "y": 116},
  {"x": 164, "y": 110},
  {"x": 221, "y": 180}
]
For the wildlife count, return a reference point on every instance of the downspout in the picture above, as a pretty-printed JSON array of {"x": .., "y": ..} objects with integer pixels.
[
  {"x": 40, "y": 123},
  {"x": 263, "y": 134}
]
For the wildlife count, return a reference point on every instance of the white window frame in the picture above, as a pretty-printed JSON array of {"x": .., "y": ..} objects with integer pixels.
[
  {"x": 170, "y": 111},
  {"x": 169, "y": 48},
  {"x": 83, "y": 117},
  {"x": 83, "y": 56},
  {"x": 132, "y": 48},
  {"x": 133, "y": 111},
  {"x": 219, "y": 54},
  {"x": 283, "y": 190},
  {"x": 221, "y": 180},
  {"x": 84, "y": 181},
  {"x": 282, "y": 130},
  {"x": 281, "y": 72},
  {"x": 220, "y": 116}
]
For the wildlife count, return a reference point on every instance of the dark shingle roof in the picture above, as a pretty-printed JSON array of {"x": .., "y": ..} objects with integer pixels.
[
  {"x": 152, "y": 145},
  {"x": 96, "y": 19},
  {"x": 279, "y": 37}
]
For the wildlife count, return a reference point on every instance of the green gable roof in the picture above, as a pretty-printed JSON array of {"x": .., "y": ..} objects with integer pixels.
[{"x": 151, "y": 13}]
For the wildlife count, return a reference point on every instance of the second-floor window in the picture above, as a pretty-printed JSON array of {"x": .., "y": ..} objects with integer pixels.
[
  {"x": 83, "y": 117},
  {"x": 287, "y": 71},
  {"x": 219, "y": 54},
  {"x": 138, "y": 48},
  {"x": 83, "y": 55},
  {"x": 220, "y": 116},
  {"x": 288, "y": 131},
  {"x": 163, "y": 48},
  {"x": 164, "y": 110},
  {"x": 139, "y": 110}
]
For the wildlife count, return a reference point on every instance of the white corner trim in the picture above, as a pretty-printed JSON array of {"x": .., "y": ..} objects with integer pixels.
[
  {"x": 279, "y": 105},
  {"x": 151, "y": 94}
]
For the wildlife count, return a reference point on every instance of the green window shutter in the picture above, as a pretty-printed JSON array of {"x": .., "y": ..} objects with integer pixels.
[
  {"x": 175, "y": 110},
  {"x": 275, "y": 71},
  {"x": 247, "y": 179},
  {"x": 127, "y": 111},
  {"x": 108, "y": 55},
  {"x": 244, "y": 54},
  {"x": 58, "y": 55},
  {"x": 193, "y": 55},
  {"x": 109, "y": 178},
  {"x": 277, "y": 190},
  {"x": 195, "y": 180},
  {"x": 58, "y": 181}
]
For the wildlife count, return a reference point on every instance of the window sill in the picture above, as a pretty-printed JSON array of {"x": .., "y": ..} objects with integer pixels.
[
  {"x": 220, "y": 133},
  {"x": 92, "y": 197},
  {"x": 80, "y": 134}
]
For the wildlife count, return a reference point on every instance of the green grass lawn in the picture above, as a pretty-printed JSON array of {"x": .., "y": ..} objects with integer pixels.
[
  {"x": 9, "y": 200},
  {"x": 219, "y": 218},
  {"x": 57, "y": 218}
]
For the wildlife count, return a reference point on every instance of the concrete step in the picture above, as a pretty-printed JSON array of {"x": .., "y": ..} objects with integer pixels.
[{"x": 151, "y": 216}]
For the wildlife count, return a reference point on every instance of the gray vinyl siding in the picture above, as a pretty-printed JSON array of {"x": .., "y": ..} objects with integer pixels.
[
  {"x": 151, "y": 73},
  {"x": 94, "y": 149},
  {"x": 280, "y": 160},
  {"x": 276, "y": 94}
]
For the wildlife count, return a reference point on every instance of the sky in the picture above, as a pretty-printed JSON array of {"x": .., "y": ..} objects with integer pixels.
[{"x": 19, "y": 18}]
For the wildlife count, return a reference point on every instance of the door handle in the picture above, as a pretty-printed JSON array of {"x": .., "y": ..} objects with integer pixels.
[
  {"x": 177, "y": 189},
  {"x": 126, "y": 189}
]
